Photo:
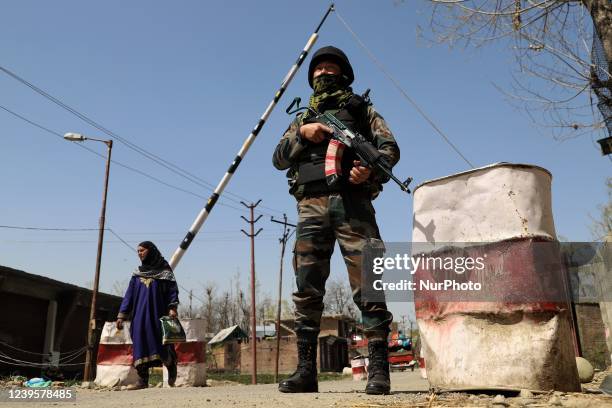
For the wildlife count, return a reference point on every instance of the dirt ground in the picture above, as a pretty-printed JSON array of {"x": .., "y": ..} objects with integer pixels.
[{"x": 408, "y": 390}]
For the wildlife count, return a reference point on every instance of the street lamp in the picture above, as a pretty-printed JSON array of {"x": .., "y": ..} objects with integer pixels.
[{"x": 76, "y": 137}]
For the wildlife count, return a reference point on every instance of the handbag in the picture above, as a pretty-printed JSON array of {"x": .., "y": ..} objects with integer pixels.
[{"x": 172, "y": 330}]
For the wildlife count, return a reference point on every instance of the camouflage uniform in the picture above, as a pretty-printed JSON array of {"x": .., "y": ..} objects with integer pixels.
[{"x": 347, "y": 216}]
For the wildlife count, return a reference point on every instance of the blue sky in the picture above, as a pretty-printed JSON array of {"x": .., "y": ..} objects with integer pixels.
[{"x": 187, "y": 81}]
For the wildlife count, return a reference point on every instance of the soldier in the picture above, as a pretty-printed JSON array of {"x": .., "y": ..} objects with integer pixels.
[{"x": 327, "y": 212}]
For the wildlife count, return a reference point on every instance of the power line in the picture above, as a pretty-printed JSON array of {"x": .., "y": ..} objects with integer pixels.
[
  {"x": 151, "y": 156},
  {"x": 217, "y": 236},
  {"x": 47, "y": 229},
  {"x": 401, "y": 90},
  {"x": 91, "y": 241},
  {"x": 67, "y": 353},
  {"x": 133, "y": 250},
  {"x": 125, "y": 166},
  {"x": 118, "y": 237}
]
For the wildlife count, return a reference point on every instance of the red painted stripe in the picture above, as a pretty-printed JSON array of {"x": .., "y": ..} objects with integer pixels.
[
  {"x": 406, "y": 358},
  {"x": 114, "y": 354},
  {"x": 190, "y": 352},
  {"x": 121, "y": 354},
  {"x": 518, "y": 276}
]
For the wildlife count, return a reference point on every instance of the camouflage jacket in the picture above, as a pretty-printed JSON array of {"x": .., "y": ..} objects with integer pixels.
[{"x": 291, "y": 146}]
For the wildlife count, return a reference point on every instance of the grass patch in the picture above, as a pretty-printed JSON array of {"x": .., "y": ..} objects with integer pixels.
[{"x": 155, "y": 377}]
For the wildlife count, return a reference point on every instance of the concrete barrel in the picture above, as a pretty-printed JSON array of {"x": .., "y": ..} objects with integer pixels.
[
  {"x": 358, "y": 367},
  {"x": 515, "y": 333},
  {"x": 191, "y": 355},
  {"x": 114, "y": 361}
]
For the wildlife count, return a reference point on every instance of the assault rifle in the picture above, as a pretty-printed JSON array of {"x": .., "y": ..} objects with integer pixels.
[{"x": 366, "y": 152}]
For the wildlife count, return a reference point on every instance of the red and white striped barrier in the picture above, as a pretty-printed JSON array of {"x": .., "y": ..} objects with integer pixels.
[
  {"x": 114, "y": 363},
  {"x": 422, "y": 368},
  {"x": 191, "y": 356},
  {"x": 501, "y": 213},
  {"x": 358, "y": 368}
]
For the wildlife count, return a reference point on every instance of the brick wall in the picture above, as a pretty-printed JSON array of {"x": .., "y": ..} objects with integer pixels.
[
  {"x": 591, "y": 334},
  {"x": 266, "y": 352}
]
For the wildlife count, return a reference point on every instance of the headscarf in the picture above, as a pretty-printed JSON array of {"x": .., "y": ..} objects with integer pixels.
[{"x": 154, "y": 265}]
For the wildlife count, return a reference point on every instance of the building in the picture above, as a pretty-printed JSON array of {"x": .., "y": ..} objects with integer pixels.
[
  {"x": 225, "y": 349},
  {"x": 332, "y": 354},
  {"x": 44, "y": 323}
]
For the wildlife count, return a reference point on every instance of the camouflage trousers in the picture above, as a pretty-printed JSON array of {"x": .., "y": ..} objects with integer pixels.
[{"x": 350, "y": 219}]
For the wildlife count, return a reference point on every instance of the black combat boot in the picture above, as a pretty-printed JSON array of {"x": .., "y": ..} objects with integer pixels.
[
  {"x": 378, "y": 368},
  {"x": 304, "y": 379}
]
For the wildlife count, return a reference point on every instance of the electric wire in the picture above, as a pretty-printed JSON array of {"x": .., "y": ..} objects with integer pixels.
[
  {"x": 121, "y": 240},
  {"x": 71, "y": 359},
  {"x": 178, "y": 284},
  {"x": 401, "y": 90},
  {"x": 72, "y": 229},
  {"x": 38, "y": 354},
  {"x": 125, "y": 166},
  {"x": 18, "y": 362},
  {"x": 46, "y": 229},
  {"x": 151, "y": 156},
  {"x": 106, "y": 241}
]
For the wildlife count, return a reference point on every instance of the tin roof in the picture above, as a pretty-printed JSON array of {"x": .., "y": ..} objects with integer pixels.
[{"x": 229, "y": 333}]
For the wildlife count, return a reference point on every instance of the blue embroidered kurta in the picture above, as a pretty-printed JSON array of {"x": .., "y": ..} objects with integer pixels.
[{"x": 148, "y": 299}]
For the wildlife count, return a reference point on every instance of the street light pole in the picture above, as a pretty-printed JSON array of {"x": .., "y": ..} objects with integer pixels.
[{"x": 91, "y": 340}]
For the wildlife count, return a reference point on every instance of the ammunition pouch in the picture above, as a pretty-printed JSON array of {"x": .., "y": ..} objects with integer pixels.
[{"x": 307, "y": 176}]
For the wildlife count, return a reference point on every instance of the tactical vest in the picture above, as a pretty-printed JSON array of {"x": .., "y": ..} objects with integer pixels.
[{"x": 308, "y": 172}]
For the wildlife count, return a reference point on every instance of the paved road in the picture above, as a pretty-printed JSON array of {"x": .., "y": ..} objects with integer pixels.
[{"x": 341, "y": 393}]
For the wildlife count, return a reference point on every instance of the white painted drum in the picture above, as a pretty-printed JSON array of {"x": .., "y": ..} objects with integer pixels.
[
  {"x": 492, "y": 203},
  {"x": 114, "y": 360},
  {"x": 114, "y": 364},
  {"x": 191, "y": 355},
  {"x": 494, "y": 344}
]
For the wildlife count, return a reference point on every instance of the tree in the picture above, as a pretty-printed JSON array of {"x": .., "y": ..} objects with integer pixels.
[
  {"x": 208, "y": 308},
  {"x": 120, "y": 286},
  {"x": 224, "y": 309},
  {"x": 562, "y": 48},
  {"x": 602, "y": 225},
  {"x": 339, "y": 299},
  {"x": 287, "y": 309}
]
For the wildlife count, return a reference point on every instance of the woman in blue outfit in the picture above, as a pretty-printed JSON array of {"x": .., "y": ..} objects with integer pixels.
[{"x": 151, "y": 294}]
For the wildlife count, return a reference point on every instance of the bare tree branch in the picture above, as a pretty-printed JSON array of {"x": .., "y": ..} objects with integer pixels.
[{"x": 554, "y": 66}]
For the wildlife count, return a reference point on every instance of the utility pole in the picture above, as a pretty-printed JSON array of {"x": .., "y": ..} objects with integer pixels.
[
  {"x": 283, "y": 242},
  {"x": 411, "y": 330},
  {"x": 91, "y": 328},
  {"x": 190, "y": 299},
  {"x": 252, "y": 235}
]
